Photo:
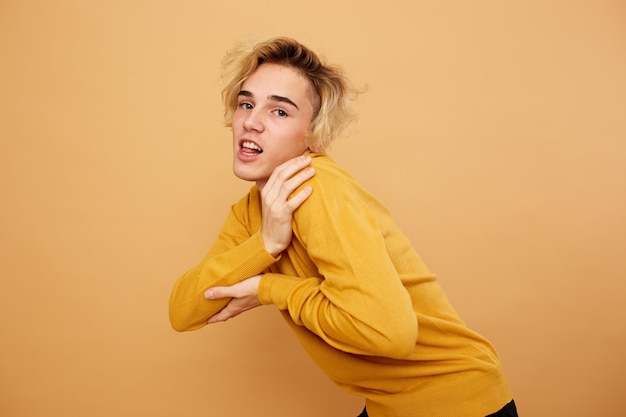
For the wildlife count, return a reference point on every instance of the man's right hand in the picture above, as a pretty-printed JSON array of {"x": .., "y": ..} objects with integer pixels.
[{"x": 277, "y": 207}]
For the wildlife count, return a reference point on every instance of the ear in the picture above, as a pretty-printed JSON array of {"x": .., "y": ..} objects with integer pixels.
[
  {"x": 312, "y": 147},
  {"x": 315, "y": 149}
]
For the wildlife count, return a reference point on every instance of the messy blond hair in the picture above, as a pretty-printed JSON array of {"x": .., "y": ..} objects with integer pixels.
[{"x": 332, "y": 97}]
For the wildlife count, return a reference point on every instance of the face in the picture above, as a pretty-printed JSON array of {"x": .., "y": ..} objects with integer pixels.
[{"x": 273, "y": 116}]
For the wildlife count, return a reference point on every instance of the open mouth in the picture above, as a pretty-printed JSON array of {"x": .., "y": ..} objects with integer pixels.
[{"x": 250, "y": 148}]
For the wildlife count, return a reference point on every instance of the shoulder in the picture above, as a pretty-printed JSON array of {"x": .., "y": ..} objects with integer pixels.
[
  {"x": 330, "y": 175},
  {"x": 334, "y": 187},
  {"x": 338, "y": 205}
]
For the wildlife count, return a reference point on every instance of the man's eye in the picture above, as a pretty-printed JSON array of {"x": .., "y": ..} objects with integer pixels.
[
  {"x": 281, "y": 113},
  {"x": 245, "y": 105}
]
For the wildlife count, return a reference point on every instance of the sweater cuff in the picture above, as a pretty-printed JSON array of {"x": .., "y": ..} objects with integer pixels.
[
  {"x": 275, "y": 289},
  {"x": 260, "y": 257},
  {"x": 249, "y": 259}
]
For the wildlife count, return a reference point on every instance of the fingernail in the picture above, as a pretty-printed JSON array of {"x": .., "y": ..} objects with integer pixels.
[{"x": 209, "y": 294}]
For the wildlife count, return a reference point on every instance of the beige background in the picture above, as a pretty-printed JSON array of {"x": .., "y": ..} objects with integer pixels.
[{"x": 494, "y": 130}]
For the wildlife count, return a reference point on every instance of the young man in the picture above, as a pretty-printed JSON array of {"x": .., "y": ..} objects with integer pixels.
[{"x": 310, "y": 240}]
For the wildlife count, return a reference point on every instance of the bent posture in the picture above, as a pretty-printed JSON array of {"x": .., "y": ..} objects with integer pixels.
[{"x": 309, "y": 239}]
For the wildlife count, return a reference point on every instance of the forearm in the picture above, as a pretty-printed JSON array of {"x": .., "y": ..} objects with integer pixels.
[
  {"x": 354, "y": 298},
  {"x": 379, "y": 322},
  {"x": 189, "y": 309}
]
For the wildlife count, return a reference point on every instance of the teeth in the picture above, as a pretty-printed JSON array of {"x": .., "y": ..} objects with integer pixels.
[{"x": 251, "y": 145}]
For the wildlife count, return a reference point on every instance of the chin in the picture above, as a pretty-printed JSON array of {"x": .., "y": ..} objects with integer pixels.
[{"x": 242, "y": 174}]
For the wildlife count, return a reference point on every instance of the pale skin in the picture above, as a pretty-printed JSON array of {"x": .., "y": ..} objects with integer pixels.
[{"x": 278, "y": 127}]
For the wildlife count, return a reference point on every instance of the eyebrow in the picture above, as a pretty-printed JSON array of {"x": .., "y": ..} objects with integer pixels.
[{"x": 273, "y": 97}]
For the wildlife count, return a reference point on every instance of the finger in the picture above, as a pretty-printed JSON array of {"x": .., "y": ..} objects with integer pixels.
[
  {"x": 232, "y": 309},
  {"x": 296, "y": 180},
  {"x": 215, "y": 319},
  {"x": 285, "y": 171},
  {"x": 296, "y": 201},
  {"x": 289, "y": 186},
  {"x": 222, "y": 315},
  {"x": 293, "y": 165},
  {"x": 216, "y": 293}
]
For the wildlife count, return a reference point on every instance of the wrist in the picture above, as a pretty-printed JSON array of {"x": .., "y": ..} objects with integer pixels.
[{"x": 271, "y": 248}]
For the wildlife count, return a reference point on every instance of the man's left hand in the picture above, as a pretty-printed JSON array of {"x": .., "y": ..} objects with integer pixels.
[{"x": 244, "y": 296}]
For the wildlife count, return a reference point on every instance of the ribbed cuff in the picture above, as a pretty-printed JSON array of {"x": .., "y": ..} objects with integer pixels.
[
  {"x": 256, "y": 259},
  {"x": 275, "y": 289}
]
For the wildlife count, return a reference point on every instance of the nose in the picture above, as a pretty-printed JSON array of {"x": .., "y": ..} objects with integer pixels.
[{"x": 253, "y": 121}]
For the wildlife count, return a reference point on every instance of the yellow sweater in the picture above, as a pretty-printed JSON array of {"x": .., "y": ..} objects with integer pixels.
[{"x": 360, "y": 300}]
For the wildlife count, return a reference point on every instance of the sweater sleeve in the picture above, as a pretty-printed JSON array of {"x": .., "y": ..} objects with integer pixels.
[
  {"x": 237, "y": 254},
  {"x": 359, "y": 304}
]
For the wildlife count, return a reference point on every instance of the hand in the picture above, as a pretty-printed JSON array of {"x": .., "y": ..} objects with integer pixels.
[
  {"x": 277, "y": 208},
  {"x": 244, "y": 297}
]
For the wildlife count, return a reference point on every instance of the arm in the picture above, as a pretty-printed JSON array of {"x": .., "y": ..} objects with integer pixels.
[
  {"x": 239, "y": 255},
  {"x": 236, "y": 255},
  {"x": 360, "y": 305}
]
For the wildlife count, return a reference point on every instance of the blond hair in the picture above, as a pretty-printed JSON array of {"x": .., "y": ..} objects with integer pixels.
[{"x": 333, "y": 95}]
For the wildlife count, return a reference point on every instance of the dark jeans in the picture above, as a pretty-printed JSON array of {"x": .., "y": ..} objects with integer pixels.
[{"x": 508, "y": 410}]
